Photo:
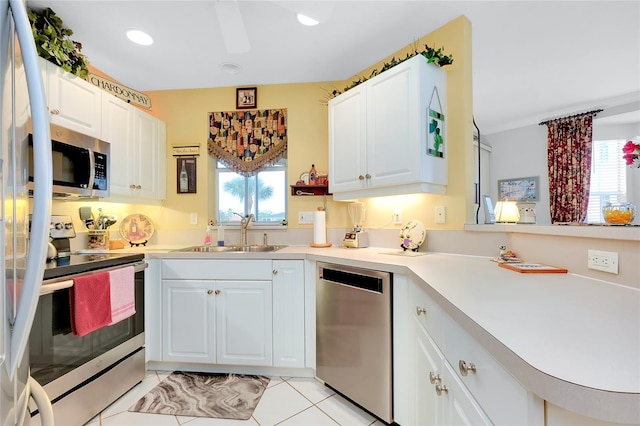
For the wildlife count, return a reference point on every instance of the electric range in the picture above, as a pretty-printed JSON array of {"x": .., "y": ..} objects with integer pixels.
[{"x": 78, "y": 263}]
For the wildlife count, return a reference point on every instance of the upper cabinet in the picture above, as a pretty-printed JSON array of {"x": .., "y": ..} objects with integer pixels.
[
  {"x": 137, "y": 139},
  {"x": 137, "y": 150},
  {"x": 387, "y": 135},
  {"x": 73, "y": 103}
]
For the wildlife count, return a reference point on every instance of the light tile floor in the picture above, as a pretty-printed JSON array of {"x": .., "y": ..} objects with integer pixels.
[{"x": 286, "y": 401}]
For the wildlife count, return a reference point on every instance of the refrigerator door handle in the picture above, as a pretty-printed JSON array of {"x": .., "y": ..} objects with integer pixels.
[{"x": 43, "y": 181}]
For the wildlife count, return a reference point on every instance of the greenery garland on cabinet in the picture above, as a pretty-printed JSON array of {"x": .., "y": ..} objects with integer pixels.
[
  {"x": 54, "y": 43},
  {"x": 435, "y": 56}
]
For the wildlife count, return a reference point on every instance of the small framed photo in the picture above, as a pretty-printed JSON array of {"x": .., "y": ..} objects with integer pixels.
[
  {"x": 186, "y": 175},
  {"x": 489, "y": 215},
  {"x": 519, "y": 189},
  {"x": 246, "y": 98}
]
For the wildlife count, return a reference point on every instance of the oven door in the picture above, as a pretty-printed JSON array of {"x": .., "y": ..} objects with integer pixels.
[{"x": 56, "y": 351}]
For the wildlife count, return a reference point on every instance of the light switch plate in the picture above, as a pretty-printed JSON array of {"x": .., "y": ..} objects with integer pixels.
[
  {"x": 305, "y": 218},
  {"x": 441, "y": 214}
]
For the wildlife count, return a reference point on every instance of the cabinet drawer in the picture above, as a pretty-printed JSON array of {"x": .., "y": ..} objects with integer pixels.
[
  {"x": 504, "y": 400},
  {"x": 426, "y": 311},
  {"x": 207, "y": 269}
]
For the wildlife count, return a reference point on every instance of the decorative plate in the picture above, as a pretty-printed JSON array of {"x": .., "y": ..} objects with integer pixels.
[
  {"x": 137, "y": 229},
  {"x": 412, "y": 235},
  {"x": 305, "y": 178}
]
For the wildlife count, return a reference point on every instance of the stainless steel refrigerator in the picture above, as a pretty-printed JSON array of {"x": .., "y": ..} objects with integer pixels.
[{"x": 23, "y": 257}]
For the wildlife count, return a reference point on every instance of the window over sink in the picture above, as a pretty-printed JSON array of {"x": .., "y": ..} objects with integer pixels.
[{"x": 264, "y": 195}]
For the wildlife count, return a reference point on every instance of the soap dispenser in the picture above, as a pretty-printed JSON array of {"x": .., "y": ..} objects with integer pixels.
[{"x": 207, "y": 236}]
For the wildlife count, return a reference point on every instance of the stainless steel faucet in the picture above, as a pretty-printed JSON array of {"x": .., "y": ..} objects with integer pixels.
[{"x": 244, "y": 222}]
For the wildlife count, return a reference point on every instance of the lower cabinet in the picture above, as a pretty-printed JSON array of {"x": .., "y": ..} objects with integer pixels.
[
  {"x": 211, "y": 315},
  {"x": 456, "y": 381}
]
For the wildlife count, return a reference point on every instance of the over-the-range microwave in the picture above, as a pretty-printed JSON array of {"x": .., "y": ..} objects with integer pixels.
[{"x": 80, "y": 164}]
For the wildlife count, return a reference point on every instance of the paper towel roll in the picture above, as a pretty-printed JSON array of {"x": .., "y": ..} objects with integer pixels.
[{"x": 319, "y": 228}]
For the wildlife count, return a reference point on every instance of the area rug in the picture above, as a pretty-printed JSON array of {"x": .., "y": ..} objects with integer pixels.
[{"x": 223, "y": 396}]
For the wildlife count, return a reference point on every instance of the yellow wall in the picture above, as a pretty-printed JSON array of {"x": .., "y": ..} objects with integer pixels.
[{"x": 185, "y": 114}]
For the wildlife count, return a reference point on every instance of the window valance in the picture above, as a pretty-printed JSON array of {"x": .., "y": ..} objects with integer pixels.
[{"x": 246, "y": 141}]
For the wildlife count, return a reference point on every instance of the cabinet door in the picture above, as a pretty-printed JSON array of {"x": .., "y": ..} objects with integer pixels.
[
  {"x": 146, "y": 155},
  {"x": 347, "y": 141},
  {"x": 244, "y": 322},
  {"x": 460, "y": 408},
  {"x": 393, "y": 131},
  {"x": 188, "y": 321},
  {"x": 428, "y": 405},
  {"x": 117, "y": 129},
  {"x": 74, "y": 103},
  {"x": 288, "y": 313}
]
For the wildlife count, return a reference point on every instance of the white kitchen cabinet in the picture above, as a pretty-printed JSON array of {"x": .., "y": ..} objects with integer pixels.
[
  {"x": 138, "y": 148},
  {"x": 73, "y": 102},
  {"x": 243, "y": 322},
  {"x": 288, "y": 313},
  {"x": 380, "y": 135},
  {"x": 474, "y": 387},
  {"x": 188, "y": 321}
]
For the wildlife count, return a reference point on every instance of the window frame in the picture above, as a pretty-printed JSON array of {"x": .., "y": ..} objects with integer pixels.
[
  {"x": 282, "y": 164},
  {"x": 621, "y": 167}
]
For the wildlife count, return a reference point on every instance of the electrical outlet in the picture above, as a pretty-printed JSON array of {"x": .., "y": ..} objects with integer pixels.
[
  {"x": 440, "y": 214},
  {"x": 305, "y": 218},
  {"x": 606, "y": 261},
  {"x": 397, "y": 217},
  {"x": 194, "y": 218}
]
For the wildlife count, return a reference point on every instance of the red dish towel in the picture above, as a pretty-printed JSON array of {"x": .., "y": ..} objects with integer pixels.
[
  {"x": 90, "y": 300},
  {"x": 123, "y": 297}
]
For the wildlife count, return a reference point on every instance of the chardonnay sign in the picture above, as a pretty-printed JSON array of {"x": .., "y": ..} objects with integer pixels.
[{"x": 118, "y": 90}]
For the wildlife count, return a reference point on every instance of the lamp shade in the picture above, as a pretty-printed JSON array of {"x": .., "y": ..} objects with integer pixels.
[{"x": 506, "y": 212}]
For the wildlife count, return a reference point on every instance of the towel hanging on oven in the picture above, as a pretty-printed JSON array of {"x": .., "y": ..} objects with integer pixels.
[
  {"x": 123, "y": 302},
  {"x": 90, "y": 301}
]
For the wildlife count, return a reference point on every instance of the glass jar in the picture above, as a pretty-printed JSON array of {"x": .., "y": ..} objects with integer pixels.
[{"x": 618, "y": 213}]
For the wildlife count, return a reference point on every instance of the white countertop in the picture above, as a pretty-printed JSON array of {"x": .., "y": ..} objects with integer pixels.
[{"x": 572, "y": 340}]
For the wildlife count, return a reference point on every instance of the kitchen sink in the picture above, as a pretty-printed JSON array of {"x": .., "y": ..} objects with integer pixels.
[{"x": 232, "y": 249}]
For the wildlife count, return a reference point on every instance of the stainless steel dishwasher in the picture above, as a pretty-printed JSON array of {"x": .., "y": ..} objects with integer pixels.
[{"x": 353, "y": 339}]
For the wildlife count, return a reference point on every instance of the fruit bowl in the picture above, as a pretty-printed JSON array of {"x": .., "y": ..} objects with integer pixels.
[{"x": 618, "y": 213}]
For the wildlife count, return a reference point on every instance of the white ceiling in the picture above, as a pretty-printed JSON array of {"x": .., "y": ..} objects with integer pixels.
[{"x": 532, "y": 60}]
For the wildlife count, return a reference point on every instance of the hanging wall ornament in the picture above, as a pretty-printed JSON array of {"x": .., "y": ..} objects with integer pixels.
[{"x": 435, "y": 120}]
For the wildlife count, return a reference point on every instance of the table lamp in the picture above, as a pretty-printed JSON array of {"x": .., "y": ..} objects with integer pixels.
[{"x": 507, "y": 212}]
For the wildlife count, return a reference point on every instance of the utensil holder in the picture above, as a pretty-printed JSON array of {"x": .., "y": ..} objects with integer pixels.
[{"x": 98, "y": 239}]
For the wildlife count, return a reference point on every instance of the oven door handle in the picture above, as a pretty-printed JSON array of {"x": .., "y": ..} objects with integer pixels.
[{"x": 67, "y": 282}]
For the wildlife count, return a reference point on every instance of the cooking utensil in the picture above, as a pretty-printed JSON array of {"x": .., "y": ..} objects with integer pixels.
[
  {"x": 52, "y": 251},
  {"x": 87, "y": 217}
]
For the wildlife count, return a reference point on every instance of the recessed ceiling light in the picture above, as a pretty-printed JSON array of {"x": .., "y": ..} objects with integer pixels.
[
  {"x": 230, "y": 68},
  {"x": 139, "y": 37},
  {"x": 305, "y": 20}
]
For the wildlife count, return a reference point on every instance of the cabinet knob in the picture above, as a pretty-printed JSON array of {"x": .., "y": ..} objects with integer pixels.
[
  {"x": 368, "y": 176},
  {"x": 217, "y": 292},
  {"x": 441, "y": 388},
  {"x": 209, "y": 291},
  {"x": 434, "y": 378},
  {"x": 138, "y": 187},
  {"x": 132, "y": 186},
  {"x": 465, "y": 369},
  {"x": 55, "y": 111},
  {"x": 420, "y": 311},
  {"x": 275, "y": 272},
  {"x": 360, "y": 177}
]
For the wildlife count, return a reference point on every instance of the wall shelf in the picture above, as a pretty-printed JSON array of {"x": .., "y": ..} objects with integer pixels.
[{"x": 306, "y": 190}]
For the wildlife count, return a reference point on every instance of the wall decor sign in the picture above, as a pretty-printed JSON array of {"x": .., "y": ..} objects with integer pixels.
[
  {"x": 120, "y": 91},
  {"x": 186, "y": 175},
  {"x": 435, "y": 123},
  {"x": 186, "y": 150},
  {"x": 245, "y": 141},
  {"x": 519, "y": 189},
  {"x": 246, "y": 98}
]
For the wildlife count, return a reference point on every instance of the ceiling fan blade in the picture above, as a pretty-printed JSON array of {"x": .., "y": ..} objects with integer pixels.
[{"x": 232, "y": 27}]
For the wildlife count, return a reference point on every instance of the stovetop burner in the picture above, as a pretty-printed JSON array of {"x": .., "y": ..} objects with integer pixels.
[{"x": 78, "y": 263}]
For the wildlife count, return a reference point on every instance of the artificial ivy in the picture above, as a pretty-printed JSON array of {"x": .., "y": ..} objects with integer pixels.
[
  {"x": 435, "y": 56},
  {"x": 54, "y": 43}
]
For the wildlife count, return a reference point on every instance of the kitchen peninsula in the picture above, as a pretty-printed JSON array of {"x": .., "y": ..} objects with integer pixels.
[{"x": 566, "y": 339}]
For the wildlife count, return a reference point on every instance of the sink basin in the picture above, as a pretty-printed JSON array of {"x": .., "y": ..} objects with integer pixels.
[{"x": 235, "y": 249}]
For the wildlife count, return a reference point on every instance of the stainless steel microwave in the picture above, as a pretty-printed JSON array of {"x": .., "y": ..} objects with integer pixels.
[{"x": 80, "y": 164}]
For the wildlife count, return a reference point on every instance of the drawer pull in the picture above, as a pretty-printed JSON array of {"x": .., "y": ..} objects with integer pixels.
[
  {"x": 217, "y": 292},
  {"x": 464, "y": 369},
  {"x": 434, "y": 378},
  {"x": 209, "y": 291},
  {"x": 360, "y": 177},
  {"x": 440, "y": 389},
  {"x": 420, "y": 310}
]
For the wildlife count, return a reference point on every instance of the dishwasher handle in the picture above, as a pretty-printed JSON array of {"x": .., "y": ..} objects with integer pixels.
[{"x": 365, "y": 281}]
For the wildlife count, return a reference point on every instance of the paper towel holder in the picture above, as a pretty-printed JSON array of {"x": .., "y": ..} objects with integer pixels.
[{"x": 320, "y": 245}]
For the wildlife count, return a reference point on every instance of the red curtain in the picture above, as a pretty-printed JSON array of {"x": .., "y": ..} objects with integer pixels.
[{"x": 569, "y": 164}]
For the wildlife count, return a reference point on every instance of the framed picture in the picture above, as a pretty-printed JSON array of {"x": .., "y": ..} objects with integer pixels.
[
  {"x": 246, "y": 98},
  {"x": 489, "y": 215},
  {"x": 519, "y": 189},
  {"x": 186, "y": 175}
]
